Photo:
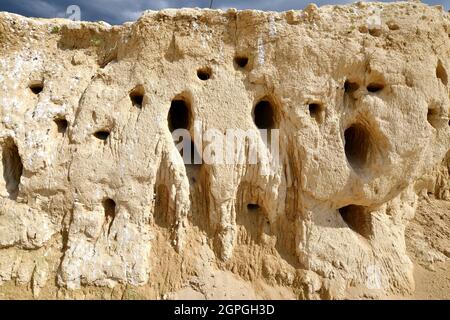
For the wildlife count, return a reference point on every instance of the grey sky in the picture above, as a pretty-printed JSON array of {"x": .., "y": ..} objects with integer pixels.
[{"x": 118, "y": 11}]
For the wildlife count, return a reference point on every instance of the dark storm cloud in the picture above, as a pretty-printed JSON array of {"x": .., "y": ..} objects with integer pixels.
[{"x": 118, "y": 11}]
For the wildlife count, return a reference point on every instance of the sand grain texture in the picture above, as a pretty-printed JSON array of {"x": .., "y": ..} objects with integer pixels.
[{"x": 96, "y": 202}]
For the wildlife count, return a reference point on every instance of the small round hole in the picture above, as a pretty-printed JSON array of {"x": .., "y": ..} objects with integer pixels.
[
  {"x": 241, "y": 61},
  {"x": 375, "y": 87},
  {"x": 62, "y": 125},
  {"x": 36, "y": 87},
  {"x": 263, "y": 113},
  {"x": 350, "y": 86},
  {"x": 102, "y": 134},
  {"x": 204, "y": 73}
]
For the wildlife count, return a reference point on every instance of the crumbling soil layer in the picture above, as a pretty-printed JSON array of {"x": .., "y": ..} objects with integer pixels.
[{"x": 349, "y": 198}]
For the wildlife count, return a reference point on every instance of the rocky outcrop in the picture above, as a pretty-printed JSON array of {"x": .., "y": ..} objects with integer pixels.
[{"x": 94, "y": 193}]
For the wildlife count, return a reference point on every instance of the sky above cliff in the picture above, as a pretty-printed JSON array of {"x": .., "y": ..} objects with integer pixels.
[{"x": 119, "y": 11}]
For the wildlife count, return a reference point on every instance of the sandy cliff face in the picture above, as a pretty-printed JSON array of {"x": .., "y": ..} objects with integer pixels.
[{"x": 96, "y": 201}]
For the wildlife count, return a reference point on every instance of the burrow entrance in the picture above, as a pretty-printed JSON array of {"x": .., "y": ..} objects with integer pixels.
[
  {"x": 204, "y": 73},
  {"x": 317, "y": 112},
  {"x": 179, "y": 115},
  {"x": 358, "y": 219},
  {"x": 109, "y": 206},
  {"x": 264, "y": 115},
  {"x": 137, "y": 96},
  {"x": 12, "y": 167},
  {"x": 102, "y": 134},
  {"x": 36, "y": 86},
  {"x": 61, "y": 125},
  {"x": 358, "y": 146},
  {"x": 240, "y": 61}
]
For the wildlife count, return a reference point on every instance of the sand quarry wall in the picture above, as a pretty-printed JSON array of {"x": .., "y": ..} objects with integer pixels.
[{"x": 95, "y": 197}]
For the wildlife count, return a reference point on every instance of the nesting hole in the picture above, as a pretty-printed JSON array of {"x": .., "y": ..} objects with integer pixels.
[
  {"x": 441, "y": 73},
  {"x": 253, "y": 207},
  {"x": 375, "y": 87},
  {"x": 241, "y": 61},
  {"x": 36, "y": 87},
  {"x": 102, "y": 134},
  {"x": 358, "y": 219},
  {"x": 350, "y": 87},
  {"x": 109, "y": 205},
  {"x": 137, "y": 96},
  {"x": 264, "y": 115},
  {"x": 357, "y": 145},
  {"x": 316, "y": 111},
  {"x": 12, "y": 168},
  {"x": 61, "y": 125},
  {"x": 179, "y": 115},
  {"x": 204, "y": 73}
]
